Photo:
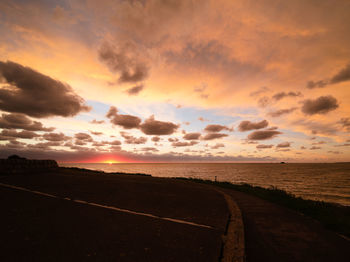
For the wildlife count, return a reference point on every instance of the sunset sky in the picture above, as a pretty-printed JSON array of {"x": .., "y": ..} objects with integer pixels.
[{"x": 171, "y": 80}]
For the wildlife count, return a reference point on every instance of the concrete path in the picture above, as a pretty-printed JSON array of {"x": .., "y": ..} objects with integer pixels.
[
  {"x": 72, "y": 216},
  {"x": 275, "y": 233}
]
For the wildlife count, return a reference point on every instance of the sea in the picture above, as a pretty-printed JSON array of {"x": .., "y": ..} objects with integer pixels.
[{"x": 329, "y": 182}]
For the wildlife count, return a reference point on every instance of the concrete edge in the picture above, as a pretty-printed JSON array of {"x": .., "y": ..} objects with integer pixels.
[{"x": 233, "y": 241}]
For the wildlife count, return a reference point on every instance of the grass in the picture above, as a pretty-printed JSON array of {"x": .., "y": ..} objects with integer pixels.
[{"x": 334, "y": 217}]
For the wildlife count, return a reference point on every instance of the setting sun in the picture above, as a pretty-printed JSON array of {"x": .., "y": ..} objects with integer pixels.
[{"x": 110, "y": 162}]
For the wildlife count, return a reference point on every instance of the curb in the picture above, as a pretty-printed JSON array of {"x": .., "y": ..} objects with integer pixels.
[{"x": 233, "y": 246}]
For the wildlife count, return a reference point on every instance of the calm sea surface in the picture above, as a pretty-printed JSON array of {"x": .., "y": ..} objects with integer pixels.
[{"x": 327, "y": 182}]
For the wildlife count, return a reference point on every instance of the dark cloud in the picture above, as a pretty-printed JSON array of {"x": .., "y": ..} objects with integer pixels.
[
  {"x": 44, "y": 146},
  {"x": 102, "y": 143},
  {"x": 249, "y": 142},
  {"x": 155, "y": 127},
  {"x": 247, "y": 125},
  {"x": 156, "y": 139},
  {"x": 264, "y": 146},
  {"x": 216, "y": 128},
  {"x": 321, "y": 105},
  {"x": 182, "y": 144},
  {"x": 96, "y": 133},
  {"x": 80, "y": 142},
  {"x": 123, "y": 61},
  {"x": 316, "y": 84},
  {"x": 15, "y": 144},
  {"x": 217, "y": 145},
  {"x": 21, "y": 121},
  {"x": 284, "y": 144},
  {"x": 263, "y": 101},
  {"x": 149, "y": 149},
  {"x": 282, "y": 95},
  {"x": 35, "y": 94},
  {"x": 345, "y": 123},
  {"x": 114, "y": 143},
  {"x": 10, "y": 134},
  {"x": 55, "y": 137},
  {"x": 192, "y": 136},
  {"x": 341, "y": 76},
  {"x": 212, "y": 136},
  {"x": 133, "y": 140},
  {"x": 97, "y": 121},
  {"x": 263, "y": 134},
  {"x": 83, "y": 137},
  {"x": 173, "y": 139},
  {"x": 280, "y": 112},
  {"x": 135, "y": 90},
  {"x": 315, "y": 148},
  {"x": 125, "y": 121}
]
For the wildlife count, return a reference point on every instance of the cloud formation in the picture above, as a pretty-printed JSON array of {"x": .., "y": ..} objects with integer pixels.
[
  {"x": 264, "y": 146},
  {"x": 248, "y": 125},
  {"x": 282, "y": 95},
  {"x": 216, "y": 128},
  {"x": 11, "y": 134},
  {"x": 182, "y": 144},
  {"x": 192, "y": 136},
  {"x": 55, "y": 137},
  {"x": 83, "y": 137},
  {"x": 281, "y": 112},
  {"x": 129, "y": 139},
  {"x": 342, "y": 76},
  {"x": 321, "y": 105},
  {"x": 263, "y": 134},
  {"x": 21, "y": 121},
  {"x": 125, "y": 121},
  {"x": 155, "y": 127},
  {"x": 34, "y": 94},
  {"x": 135, "y": 90},
  {"x": 283, "y": 145},
  {"x": 123, "y": 61},
  {"x": 345, "y": 123},
  {"x": 212, "y": 136},
  {"x": 94, "y": 121}
]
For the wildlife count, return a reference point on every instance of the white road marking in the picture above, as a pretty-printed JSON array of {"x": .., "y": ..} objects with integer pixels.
[{"x": 179, "y": 221}]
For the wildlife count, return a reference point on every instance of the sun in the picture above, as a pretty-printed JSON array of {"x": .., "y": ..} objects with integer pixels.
[{"x": 110, "y": 161}]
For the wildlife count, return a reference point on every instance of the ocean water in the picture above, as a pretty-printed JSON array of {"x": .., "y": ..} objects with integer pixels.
[{"x": 328, "y": 182}]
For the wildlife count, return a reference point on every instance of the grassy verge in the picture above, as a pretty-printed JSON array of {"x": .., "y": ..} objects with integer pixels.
[{"x": 333, "y": 216}]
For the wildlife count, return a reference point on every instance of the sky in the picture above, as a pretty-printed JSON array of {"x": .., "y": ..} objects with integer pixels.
[{"x": 175, "y": 80}]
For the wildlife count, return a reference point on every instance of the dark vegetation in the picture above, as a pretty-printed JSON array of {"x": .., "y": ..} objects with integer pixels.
[
  {"x": 332, "y": 216},
  {"x": 94, "y": 172}
]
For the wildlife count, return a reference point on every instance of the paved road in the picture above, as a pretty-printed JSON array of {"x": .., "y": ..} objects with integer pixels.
[
  {"x": 43, "y": 228},
  {"x": 274, "y": 233}
]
